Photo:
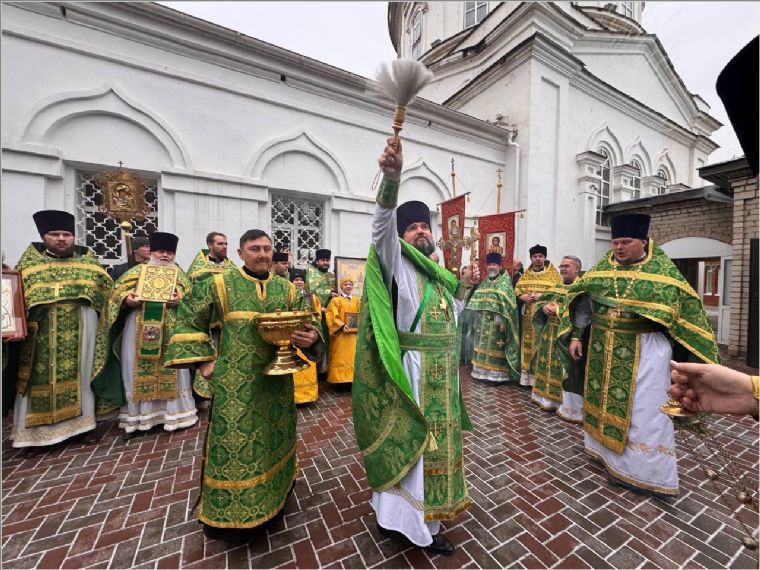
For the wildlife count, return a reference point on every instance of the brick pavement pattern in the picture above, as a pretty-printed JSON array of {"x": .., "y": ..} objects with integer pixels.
[{"x": 537, "y": 501}]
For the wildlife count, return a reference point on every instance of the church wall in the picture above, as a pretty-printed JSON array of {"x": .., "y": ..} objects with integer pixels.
[
  {"x": 217, "y": 139},
  {"x": 633, "y": 74}
]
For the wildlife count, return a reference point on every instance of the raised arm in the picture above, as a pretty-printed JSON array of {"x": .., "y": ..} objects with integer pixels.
[{"x": 384, "y": 234}]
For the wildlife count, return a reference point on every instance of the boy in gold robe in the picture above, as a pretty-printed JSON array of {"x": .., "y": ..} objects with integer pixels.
[
  {"x": 342, "y": 336},
  {"x": 305, "y": 385}
]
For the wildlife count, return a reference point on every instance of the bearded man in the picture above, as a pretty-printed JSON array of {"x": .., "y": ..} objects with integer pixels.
[
  {"x": 280, "y": 264},
  {"x": 559, "y": 380},
  {"x": 540, "y": 276},
  {"x": 407, "y": 402},
  {"x": 132, "y": 342},
  {"x": 65, "y": 290},
  {"x": 495, "y": 356},
  {"x": 210, "y": 261}
]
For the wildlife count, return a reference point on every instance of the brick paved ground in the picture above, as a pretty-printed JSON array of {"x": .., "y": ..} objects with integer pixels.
[{"x": 538, "y": 502}]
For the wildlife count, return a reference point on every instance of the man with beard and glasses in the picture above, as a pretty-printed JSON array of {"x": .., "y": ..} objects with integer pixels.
[
  {"x": 129, "y": 357},
  {"x": 559, "y": 379},
  {"x": 495, "y": 356},
  {"x": 407, "y": 403},
  {"x": 250, "y": 464},
  {"x": 65, "y": 289},
  {"x": 540, "y": 276}
]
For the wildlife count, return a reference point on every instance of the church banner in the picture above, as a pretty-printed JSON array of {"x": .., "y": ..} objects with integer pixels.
[
  {"x": 452, "y": 226},
  {"x": 497, "y": 235}
]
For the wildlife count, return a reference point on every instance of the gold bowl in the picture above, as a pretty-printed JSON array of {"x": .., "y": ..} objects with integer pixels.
[{"x": 276, "y": 328}]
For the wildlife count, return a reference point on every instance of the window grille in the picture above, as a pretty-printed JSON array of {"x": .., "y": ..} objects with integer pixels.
[
  {"x": 101, "y": 233},
  {"x": 636, "y": 180},
  {"x": 604, "y": 189},
  {"x": 474, "y": 13},
  {"x": 660, "y": 190},
  {"x": 417, "y": 35},
  {"x": 297, "y": 226}
]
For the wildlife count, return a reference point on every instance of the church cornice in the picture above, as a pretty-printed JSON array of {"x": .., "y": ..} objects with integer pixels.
[
  {"x": 168, "y": 30},
  {"x": 549, "y": 53}
]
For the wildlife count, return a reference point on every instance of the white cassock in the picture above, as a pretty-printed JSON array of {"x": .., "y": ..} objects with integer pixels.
[
  {"x": 649, "y": 458},
  {"x": 401, "y": 508},
  {"x": 55, "y": 433},
  {"x": 174, "y": 414}
]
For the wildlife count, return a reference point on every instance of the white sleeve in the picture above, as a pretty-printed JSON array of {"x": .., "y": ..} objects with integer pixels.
[{"x": 385, "y": 239}]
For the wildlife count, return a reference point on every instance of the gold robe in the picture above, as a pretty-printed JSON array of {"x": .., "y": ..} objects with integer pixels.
[
  {"x": 340, "y": 366},
  {"x": 305, "y": 386},
  {"x": 533, "y": 282}
]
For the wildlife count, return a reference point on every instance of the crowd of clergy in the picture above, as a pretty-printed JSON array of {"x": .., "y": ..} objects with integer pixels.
[{"x": 94, "y": 350}]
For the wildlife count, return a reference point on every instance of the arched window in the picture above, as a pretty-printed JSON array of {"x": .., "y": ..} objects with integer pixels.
[
  {"x": 604, "y": 189},
  {"x": 474, "y": 13},
  {"x": 662, "y": 183},
  {"x": 417, "y": 35},
  {"x": 636, "y": 180}
]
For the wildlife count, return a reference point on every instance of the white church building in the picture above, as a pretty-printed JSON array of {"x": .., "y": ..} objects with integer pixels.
[{"x": 575, "y": 102}]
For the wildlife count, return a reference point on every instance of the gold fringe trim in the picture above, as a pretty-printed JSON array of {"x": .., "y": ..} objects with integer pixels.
[
  {"x": 253, "y": 482},
  {"x": 436, "y": 515}
]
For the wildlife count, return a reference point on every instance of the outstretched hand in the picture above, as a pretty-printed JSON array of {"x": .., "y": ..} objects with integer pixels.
[
  {"x": 391, "y": 160},
  {"x": 712, "y": 388}
]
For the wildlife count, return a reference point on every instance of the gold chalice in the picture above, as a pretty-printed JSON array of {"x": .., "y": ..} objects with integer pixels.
[{"x": 276, "y": 328}]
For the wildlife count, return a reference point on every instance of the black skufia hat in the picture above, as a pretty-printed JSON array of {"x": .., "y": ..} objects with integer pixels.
[
  {"x": 53, "y": 221},
  {"x": 322, "y": 254},
  {"x": 538, "y": 248},
  {"x": 410, "y": 213},
  {"x": 138, "y": 242},
  {"x": 279, "y": 256},
  {"x": 634, "y": 226},
  {"x": 294, "y": 273},
  {"x": 494, "y": 258},
  {"x": 163, "y": 241}
]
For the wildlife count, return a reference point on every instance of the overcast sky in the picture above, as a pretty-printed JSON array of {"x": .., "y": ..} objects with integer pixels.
[{"x": 700, "y": 38}]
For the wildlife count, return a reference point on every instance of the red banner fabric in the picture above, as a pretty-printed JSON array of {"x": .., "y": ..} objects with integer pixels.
[
  {"x": 497, "y": 235},
  {"x": 452, "y": 228}
]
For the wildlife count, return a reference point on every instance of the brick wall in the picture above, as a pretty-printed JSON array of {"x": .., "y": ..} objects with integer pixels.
[
  {"x": 688, "y": 219},
  {"x": 744, "y": 227}
]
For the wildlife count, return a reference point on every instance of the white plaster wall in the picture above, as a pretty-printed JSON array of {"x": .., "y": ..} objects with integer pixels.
[
  {"x": 218, "y": 139},
  {"x": 633, "y": 74}
]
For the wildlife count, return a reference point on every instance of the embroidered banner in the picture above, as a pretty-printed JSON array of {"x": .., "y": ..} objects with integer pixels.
[
  {"x": 452, "y": 226},
  {"x": 497, "y": 235}
]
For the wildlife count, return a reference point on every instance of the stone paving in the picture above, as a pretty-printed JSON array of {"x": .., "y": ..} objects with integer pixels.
[{"x": 537, "y": 501}]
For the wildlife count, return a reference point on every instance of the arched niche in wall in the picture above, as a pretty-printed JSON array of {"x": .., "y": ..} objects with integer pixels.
[
  {"x": 604, "y": 138},
  {"x": 298, "y": 162},
  {"x": 639, "y": 153},
  {"x": 103, "y": 126}
]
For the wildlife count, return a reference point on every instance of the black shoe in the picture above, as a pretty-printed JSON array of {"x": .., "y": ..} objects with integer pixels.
[
  {"x": 615, "y": 482},
  {"x": 231, "y": 535},
  {"x": 394, "y": 535},
  {"x": 441, "y": 545}
]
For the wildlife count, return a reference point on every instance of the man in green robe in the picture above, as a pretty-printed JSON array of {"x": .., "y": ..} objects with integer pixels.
[
  {"x": 559, "y": 380},
  {"x": 496, "y": 355},
  {"x": 207, "y": 263},
  {"x": 65, "y": 290},
  {"x": 407, "y": 403},
  {"x": 129, "y": 370},
  {"x": 640, "y": 305},
  {"x": 539, "y": 277},
  {"x": 249, "y": 464},
  {"x": 321, "y": 282}
]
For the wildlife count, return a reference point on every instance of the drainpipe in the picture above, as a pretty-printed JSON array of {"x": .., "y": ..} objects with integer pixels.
[{"x": 515, "y": 186}]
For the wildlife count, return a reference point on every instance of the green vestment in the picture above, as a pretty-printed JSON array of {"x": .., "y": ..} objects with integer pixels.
[
  {"x": 548, "y": 364},
  {"x": 629, "y": 300},
  {"x": 154, "y": 325},
  {"x": 496, "y": 350},
  {"x": 392, "y": 430},
  {"x": 250, "y": 451},
  {"x": 320, "y": 283},
  {"x": 533, "y": 282},
  {"x": 201, "y": 268},
  {"x": 54, "y": 291}
]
